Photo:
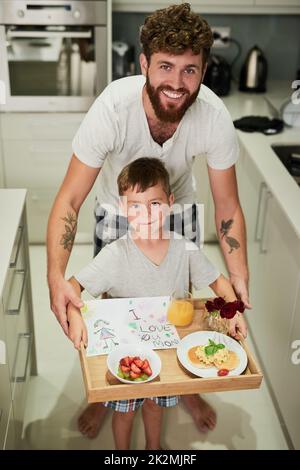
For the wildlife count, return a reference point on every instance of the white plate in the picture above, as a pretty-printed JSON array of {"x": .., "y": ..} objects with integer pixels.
[
  {"x": 114, "y": 357},
  {"x": 200, "y": 338}
]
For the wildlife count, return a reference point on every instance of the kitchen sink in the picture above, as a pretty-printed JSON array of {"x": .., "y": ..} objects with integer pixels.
[{"x": 290, "y": 157}]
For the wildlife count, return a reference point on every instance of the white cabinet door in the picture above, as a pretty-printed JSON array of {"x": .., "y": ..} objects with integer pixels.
[
  {"x": 1, "y": 163},
  {"x": 274, "y": 267},
  {"x": 36, "y": 157},
  {"x": 252, "y": 199},
  {"x": 282, "y": 3},
  {"x": 5, "y": 391},
  {"x": 10, "y": 440},
  {"x": 40, "y": 126},
  {"x": 280, "y": 256},
  {"x": 289, "y": 390},
  {"x": 221, "y": 2}
]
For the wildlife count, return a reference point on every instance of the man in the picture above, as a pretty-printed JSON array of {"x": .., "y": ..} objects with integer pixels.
[{"x": 159, "y": 114}]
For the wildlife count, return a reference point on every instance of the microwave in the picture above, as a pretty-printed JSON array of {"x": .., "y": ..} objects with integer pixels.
[{"x": 53, "y": 54}]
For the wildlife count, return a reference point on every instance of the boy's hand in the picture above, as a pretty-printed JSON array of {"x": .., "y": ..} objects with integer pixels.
[
  {"x": 237, "y": 325},
  {"x": 77, "y": 328}
]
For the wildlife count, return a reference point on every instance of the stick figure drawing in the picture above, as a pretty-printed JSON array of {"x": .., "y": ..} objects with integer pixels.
[{"x": 105, "y": 334}]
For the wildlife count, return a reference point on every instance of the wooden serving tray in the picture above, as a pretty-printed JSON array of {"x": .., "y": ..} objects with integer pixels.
[{"x": 101, "y": 385}]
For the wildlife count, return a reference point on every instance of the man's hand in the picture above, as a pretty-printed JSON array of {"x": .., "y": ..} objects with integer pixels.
[
  {"x": 61, "y": 294},
  {"x": 240, "y": 286},
  {"x": 77, "y": 328},
  {"x": 237, "y": 326}
]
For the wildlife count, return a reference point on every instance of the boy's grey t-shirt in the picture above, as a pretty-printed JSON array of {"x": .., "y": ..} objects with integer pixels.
[{"x": 122, "y": 270}]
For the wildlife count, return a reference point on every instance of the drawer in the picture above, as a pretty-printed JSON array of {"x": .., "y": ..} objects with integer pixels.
[
  {"x": 36, "y": 164},
  {"x": 9, "y": 440},
  {"x": 17, "y": 322},
  {"x": 40, "y": 126},
  {"x": 11, "y": 292},
  {"x": 21, "y": 380},
  {"x": 5, "y": 401}
]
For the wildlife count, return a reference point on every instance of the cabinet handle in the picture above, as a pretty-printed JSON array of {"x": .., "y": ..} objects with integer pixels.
[
  {"x": 16, "y": 311},
  {"x": 259, "y": 219},
  {"x": 19, "y": 238},
  {"x": 49, "y": 34},
  {"x": 28, "y": 337},
  {"x": 262, "y": 247}
]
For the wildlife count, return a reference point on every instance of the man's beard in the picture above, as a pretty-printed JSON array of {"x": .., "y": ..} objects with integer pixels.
[{"x": 172, "y": 113}]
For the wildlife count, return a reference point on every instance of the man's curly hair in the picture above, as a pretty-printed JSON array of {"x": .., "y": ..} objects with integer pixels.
[{"x": 175, "y": 29}]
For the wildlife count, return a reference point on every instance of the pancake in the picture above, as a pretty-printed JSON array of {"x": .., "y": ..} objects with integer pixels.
[
  {"x": 196, "y": 361},
  {"x": 231, "y": 363}
]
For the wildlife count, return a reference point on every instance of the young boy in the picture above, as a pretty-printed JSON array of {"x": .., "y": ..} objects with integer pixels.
[{"x": 148, "y": 261}]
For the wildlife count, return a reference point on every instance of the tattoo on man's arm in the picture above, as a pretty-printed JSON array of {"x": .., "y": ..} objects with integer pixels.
[
  {"x": 68, "y": 237},
  {"x": 224, "y": 229}
]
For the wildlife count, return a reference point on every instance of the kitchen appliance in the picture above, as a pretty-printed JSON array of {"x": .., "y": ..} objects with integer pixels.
[
  {"x": 218, "y": 75},
  {"x": 254, "y": 72},
  {"x": 289, "y": 155},
  {"x": 123, "y": 60},
  {"x": 53, "y": 54}
]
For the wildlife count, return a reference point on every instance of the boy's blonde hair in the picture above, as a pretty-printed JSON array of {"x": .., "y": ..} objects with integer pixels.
[{"x": 144, "y": 173}]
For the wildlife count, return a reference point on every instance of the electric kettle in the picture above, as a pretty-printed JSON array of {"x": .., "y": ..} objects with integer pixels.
[{"x": 254, "y": 72}]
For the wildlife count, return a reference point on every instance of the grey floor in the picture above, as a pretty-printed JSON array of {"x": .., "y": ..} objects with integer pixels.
[{"x": 246, "y": 419}]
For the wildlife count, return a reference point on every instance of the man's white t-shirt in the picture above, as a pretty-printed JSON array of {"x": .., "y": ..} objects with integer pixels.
[{"x": 115, "y": 132}]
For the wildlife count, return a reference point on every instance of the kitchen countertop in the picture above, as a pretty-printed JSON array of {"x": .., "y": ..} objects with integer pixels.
[
  {"x": 282, "y": 185},
  {"x": 11, "y": 207}
]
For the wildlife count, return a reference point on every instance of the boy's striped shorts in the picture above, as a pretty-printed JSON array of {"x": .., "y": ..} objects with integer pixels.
[{"x": 124, "y": 406}]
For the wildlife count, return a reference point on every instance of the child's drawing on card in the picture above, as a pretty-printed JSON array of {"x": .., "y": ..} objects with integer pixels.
[
  {"x": 111, "y": 322},
  {"x": 147, "y": 321},
  {"x": 104, "y": 325},
  {"x": 106, "y": 337}
]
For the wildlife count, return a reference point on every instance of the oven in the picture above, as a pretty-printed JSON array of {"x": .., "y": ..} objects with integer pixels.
[{"x": 53, "y": 54}]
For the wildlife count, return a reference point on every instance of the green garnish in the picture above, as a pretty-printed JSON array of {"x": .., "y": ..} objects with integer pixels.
[{"x": 212, "y": 348}]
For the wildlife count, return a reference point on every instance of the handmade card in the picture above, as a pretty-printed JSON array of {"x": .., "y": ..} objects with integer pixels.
[{"x": 143, "y": 320}]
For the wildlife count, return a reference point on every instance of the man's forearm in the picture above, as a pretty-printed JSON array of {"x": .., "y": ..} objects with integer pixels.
[
  {"x": 61, "y": 231},
  {"x": 231, "y": 230}
]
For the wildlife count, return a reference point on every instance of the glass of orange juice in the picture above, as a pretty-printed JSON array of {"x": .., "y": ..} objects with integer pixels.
[{"x": 180, "y": 312}]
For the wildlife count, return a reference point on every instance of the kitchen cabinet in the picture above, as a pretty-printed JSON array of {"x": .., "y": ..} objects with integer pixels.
[
  {"x": 5, "y": 387},
  {"x": 214, "y": 6},
  {"x": 37, "y": 158},
  {"x": 1, "y": 164},
  {"x": 289, "y": 389},
  {"x": 282, "y": 3},
  {"x": 221, "y": 2},
  {"x": 274, "y": 264},
  {"x": 16, "y": 320}
]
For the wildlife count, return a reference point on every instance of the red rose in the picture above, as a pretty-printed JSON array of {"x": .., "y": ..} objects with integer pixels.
[
  {"x": 239, "y": 305},
  {"x": 210, "y": 306},
  {"x": 228, "y": 310},
  {"x": 219, "y": 302}
]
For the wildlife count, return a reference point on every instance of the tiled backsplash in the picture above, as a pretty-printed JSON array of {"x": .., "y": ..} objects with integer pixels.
[{"x": 276, "y": 35}]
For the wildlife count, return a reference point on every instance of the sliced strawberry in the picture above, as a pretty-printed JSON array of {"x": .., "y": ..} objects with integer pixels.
[
  {"x": 130, "y": 358},
  {"x": 125, "y": 361},
  {"x": 133, "y": 375},
  {"x": 135, "y": 369},
  {"x": 125, "y": 369},
  {"x": 138, "y": 362},
  {"x": 145, "y": 364},
  {"x": 148, "y": 371}
]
